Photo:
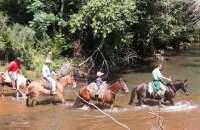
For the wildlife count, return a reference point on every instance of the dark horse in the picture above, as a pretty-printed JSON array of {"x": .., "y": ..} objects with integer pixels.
[
  {"x": 142, "y": 92},
  {"x": 108, "y": 95}
]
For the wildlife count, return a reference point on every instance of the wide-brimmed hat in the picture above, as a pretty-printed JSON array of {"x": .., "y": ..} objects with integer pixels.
[
  {"x": 48, "y": 61},
  {"x": 100, "y": 73}
]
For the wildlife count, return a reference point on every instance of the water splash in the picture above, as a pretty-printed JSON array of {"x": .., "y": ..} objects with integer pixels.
[
  {"x": 116, "y": 110},
  {"x": 180, "y": 106}
]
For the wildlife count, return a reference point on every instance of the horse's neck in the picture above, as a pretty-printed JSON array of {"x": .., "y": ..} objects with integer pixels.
[
  {"x": 114, "y": 87},
  {"x": 64, "y": 80},
  {"x": 175, "y": 87}
]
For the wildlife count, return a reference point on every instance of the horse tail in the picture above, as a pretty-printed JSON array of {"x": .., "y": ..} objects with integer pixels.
[{"x": 132, "y": 96}]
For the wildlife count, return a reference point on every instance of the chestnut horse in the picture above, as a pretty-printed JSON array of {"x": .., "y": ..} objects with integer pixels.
[
  {"x": 36, "y": 88},
  {"x": 108, "y": 95}
]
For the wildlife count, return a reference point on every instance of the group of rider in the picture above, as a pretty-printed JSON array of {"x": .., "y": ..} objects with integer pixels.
[{"x": 158, "y": 85}]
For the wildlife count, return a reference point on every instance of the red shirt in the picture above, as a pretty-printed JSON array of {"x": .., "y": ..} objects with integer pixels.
[{"x": 13, "y": 66}]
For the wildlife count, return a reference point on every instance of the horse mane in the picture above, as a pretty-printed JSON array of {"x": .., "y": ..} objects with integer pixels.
[{"x": 180, "y": 81}]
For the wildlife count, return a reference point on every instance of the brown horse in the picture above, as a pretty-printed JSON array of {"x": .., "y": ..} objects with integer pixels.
[
  {"x": 142, "y": 92},
  {"x": 108, "y": 95},
  {"x": 38, "y": 87}
]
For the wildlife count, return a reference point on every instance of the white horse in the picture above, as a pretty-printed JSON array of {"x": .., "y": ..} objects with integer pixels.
[{"x": 21, "y": 84}]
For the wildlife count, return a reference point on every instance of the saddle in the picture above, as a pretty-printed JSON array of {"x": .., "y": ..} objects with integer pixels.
[
  {"x": 153, "y": 87},
  {"x": 94, "y": 90}
]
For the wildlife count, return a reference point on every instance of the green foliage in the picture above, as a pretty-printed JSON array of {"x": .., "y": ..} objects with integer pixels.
[
  {"x": 104, "y": 17},
  {"x": 21, "y": 39},
  {"x": 3, "y": 29},
  {"x": 33, "y": 28},
  {"x": 59, "y": 44},
  {"x": 37, "y": 62},
  {"x": 42, "y": 21}
]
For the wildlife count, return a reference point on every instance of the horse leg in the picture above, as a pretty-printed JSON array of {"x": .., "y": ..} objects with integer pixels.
[
  {"x": 140, "y": 101},
  {"x": 78, "y": 102},
  {"x": 35, "y": 99},
  {"x": 171, "y": 101},
  {"x": 31, "y": 100},
  {"x": 60, "y": 96},
  {"x": 28, "y": 100},
  {"x": 112, "y": 106}
]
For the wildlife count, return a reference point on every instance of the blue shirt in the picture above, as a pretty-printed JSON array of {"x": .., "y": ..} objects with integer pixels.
[
  {"x": 46, "y": 71},
  {"x": 99, "y": 81}
]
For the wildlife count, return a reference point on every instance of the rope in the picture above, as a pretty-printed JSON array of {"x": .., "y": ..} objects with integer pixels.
[
  {"x": 98, "y": 50},
  {"x": 106, "y": 114}
]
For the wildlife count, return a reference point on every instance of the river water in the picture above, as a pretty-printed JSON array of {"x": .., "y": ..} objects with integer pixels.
[{"x": 14, "y": 115}]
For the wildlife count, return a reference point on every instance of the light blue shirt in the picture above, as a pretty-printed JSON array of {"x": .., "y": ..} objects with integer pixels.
[
  {"x": 46, "y": 71},
  {"x": 157, "y": 74}
]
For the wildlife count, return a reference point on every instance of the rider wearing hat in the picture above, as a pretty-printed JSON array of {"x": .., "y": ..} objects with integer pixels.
[
  {"x": 13, "y": 68},
  {"x": 99, "y": 82},
  {"x": 47, "y": 74}
]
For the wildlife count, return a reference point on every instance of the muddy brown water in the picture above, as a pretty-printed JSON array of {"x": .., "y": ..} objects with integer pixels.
[{"x": 185, "y": 115}]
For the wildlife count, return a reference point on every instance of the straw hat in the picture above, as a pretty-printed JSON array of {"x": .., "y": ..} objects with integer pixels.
[
  {"x": 100, "y": 73},
  {"x": 48, "y": 61}
]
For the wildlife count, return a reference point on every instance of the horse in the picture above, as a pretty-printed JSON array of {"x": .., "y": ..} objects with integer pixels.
[
  {"x": 21, "y": 83},
  {"x": 38, "y": 87},
  {"x": 108, "y": 95},
  {"x": 142, "y": 92}
]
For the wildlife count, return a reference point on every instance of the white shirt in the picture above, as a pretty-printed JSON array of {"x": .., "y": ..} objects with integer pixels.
[{"x": 157, "y": 74}]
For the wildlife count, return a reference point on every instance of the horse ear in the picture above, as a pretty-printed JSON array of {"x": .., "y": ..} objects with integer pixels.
[
  {"x": 120, "y": 79},
  {"x": 185, "y": 80},
  {"x": 28, "y": 81}
]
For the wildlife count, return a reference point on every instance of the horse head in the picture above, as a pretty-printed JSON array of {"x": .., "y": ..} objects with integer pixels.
[
  {"x": 28, "y": 81},
  {"x": 71, "y": 80},
  {"x": 183, "y": 85},
  {"x": 68, "y": 80},
  {"x": 123, "y": 85}
]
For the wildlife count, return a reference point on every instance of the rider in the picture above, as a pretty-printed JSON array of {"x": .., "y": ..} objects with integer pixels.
[
  {"x": 99, "y": 82},
  {"x": 47, "y": 74},
  {"x": 13, "y": 68},
  {"x": 159, "y": 80}
]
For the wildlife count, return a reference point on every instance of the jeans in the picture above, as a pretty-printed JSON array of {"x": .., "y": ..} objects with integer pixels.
[
  {"x": 13, "y": 75},
  {"x": 52, "y": 82}
]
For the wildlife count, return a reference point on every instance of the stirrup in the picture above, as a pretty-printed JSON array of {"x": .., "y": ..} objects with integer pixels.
[{"x": 52, "y": 93}]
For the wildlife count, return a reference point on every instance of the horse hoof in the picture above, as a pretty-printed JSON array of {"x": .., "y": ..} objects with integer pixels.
[{"x": 161, "y": 105}]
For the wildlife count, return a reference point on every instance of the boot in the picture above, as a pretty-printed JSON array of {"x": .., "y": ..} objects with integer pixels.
[{"x": 53, "y": 93}]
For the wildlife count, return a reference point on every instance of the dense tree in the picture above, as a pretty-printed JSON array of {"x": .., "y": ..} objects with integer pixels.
[{"x": 127, "y": 28}]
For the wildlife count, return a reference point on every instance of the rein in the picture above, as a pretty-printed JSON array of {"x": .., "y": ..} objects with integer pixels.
[{"x": 117, "y": 94}]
